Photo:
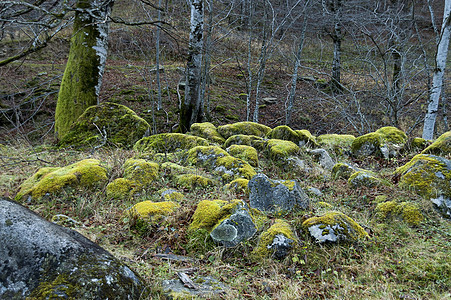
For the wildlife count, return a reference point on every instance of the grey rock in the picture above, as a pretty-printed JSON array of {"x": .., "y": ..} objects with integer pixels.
[
  {"x": 269, "y": 101},
  {"x": 272, "y": 195},
  {"x": 37, "y": 257},
  {"x": 323, "y": 158},
  {"x": 294, "y": 163},
  {"x": 281, "y": 245},
  {"x": 206, "y": 287},
  {"x": 234, "y": 229},
  {"x": 315, "y": 191}
]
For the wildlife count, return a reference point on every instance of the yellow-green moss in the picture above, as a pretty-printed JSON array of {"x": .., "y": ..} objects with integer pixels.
[
  {"x": 307, "y": 137},
  {"x": 147, "y": 209},
  {"x": 290, "y": 184},
  {"x": 140, "y": 171},
  {"x": 174, "y": 169},
  {"x": 241, "y": 139},
  {"x": 87, "y": 172},
  {"x": 285, "y": 133},
  {"x": 267, "y": 237},
  {"x": 409, "y": 212},
  {"x": 169, "y": 142},
  {"x": 209, "y": 212},
  {"x": 280, "y": 149},
  {"x": 239, "y": 185},
  {"x": 120, "y": 188},
  {"x": 370, "y": 143},
  {"x": 191, "y": 181},
  {"x": 207, "y": 131},
  {"x": 244, "y": 152},
  {"x": 205, "y": 155},
  {"x": 246, "y": 128},
  {"x": 324, "y": 204},
  {"x": 441, "y": 146},
  {"x": 237, "y": 166},
  {"x": 171, "y": 195},
  {"x": 349, "y": 228},
  {"x": 111, "y": 122},
  {"x": 392, "y": 135},
  {"x": 339, "y": 143},
  {"x": 342, "y": 170},
  {"x": 365, "y": 178}
]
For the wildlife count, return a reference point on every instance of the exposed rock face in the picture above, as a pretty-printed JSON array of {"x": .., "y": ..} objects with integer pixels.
[
  {"x": 271, "y": 195},
  {"x": 41, "y": 260},
  {"x": 208, "y": 287},
  {"x": 364, "y": 178}
]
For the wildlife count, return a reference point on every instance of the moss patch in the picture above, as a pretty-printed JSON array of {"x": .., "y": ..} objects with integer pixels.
[
  {"x": 209, "y": 212},
  {"x": 441, "y": 146},
  {"x": 84, "y": 173},
  {"x": 169, "y": 142},
  {"x": 306, "y": 137},
  {"x": 339, "y": 143},
  {"x": 409, "y": 212},
  {"x": 284, "y": 133},
  {"x": 207, "y": 131},
  {"x": 280, "y": 149},
  {"x": 244, "y": 152},
  {"x": 120, "y": 188},
  {"x": 342, "y": 170},
  {"x": 241, "y": 139},
  {"x": 148, "y": 209},
  {"x": 267, "y": 237},
  {"x": 384, "y": 142},
  {"x": 246, "y": 128},
  {"x": 238, "y": 185},
  {"x": 190, "y": 181}
]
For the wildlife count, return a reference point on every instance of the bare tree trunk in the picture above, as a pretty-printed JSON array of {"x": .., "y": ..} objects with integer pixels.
[
  {"x": 157, "y": 56},
  {"x": 439, "y": 71},
  {"x": 337, "y": 37},
  {"x": 82, "y": 77},
  {"x": 191, "y": 106},
  {"x": 206, "y": 66},
  {"x": 249, "y": 63}
]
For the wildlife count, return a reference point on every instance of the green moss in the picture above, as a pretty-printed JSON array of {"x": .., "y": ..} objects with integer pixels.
[
  {"x": 246, "y": 128},
  {"x": 239, "y": 185},
  {"x": 140, "y": 171},
  {"x": 241, "y": 139},
  {"x": 418, "y": 144},
  {"x": 84, "y": 173},
  {"x": 120, "y": 188},
  {"x": 190, "y": 181},
  {"x": 371, "y": 144},
  {"x": 365, "y": 178},
  {"x": 107, "y": 122},
  {"x": 205, "y": 155},
  {"x": 307, "y": 137},
  {"x": 349, "y": 228},
  {"x": 324, "y": 204},
  {"x": 342, "y": 170},
  {"x": 339, "y": 143},
  {"x": 147, "y": 209},
  {"x": 368, "y": 144},
  {"x": 392, "y": 135},
  {"x": 267, "y": 237},
  {"x": 441, "y": 146},
  {"x": 244, "y": 152},
  {"x": 54, "y": 289},
  {"x": 171, "y": 195},
  {"x": 207, "y": 131},
  {"x": 285, "y": 133},
  {"x": 169, "y": 142},
  {"x": 209, "y": 212},
  {"x": 175, "y": 169},
  {"x": 280, "y": 149},
  {"x": 409, "y": 212}
]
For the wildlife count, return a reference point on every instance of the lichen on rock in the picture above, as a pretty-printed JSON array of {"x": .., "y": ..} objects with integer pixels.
[
  {"x": 246, "y": 128},
  {"x": 276, "y": 241},
  {"x": 209, "y": 212},
  {"x": 169, "y": 142},
  {"x": 385, "y": 142},
  {"x": 85, "y": 173},
  {"x": 241, "y": 139},
  {"x": 343, "y": 171},
  {"x": 334, "y": 226},
  {"x": 207, "y": 131},
  {"x": 365, "y": 178}
]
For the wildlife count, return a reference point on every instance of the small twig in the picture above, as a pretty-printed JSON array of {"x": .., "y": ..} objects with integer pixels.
[{"x": 187, "y": 282}]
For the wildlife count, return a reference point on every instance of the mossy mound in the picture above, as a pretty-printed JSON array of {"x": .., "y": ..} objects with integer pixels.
[
  {"x": 140, "y": 171},
  {"x": 173, "y": 169},
  {"x": 280, "y": 149},
  {"x": 334, "y": 226},
  {"x": 246, "y": 128},
  {"x": 84, "y": 173},
  {"x": 120, "y": 188},
  {"x": 241, "y": 139},
  {"x": 342, "y": 170},
  {"x": 265, "y": 246},
  {"x": 284, "y": 133},
  {"x": 306, "y": 138},
  {"x": 106, "y": 122},
  {"x": 205, "y": 155},
  {"x": 171, "y": 195},
  {"x": 169, "y": 142},
  {"x": 365, "y": 178},
  {"x": 190, "y": 181},
  {"x": 416, "y": 145},
  {"x": 207, "y": 131},
  {"x": 339, "y": 143},
  {"x": 149, "y": 209},
  {"x": 244, "y": 152},
  {"x": 385, "y": 142},
  {"x": 238, "y": 185},
  {"x": 407, "y": 211},
  {"x": 441, "y": 146},
  {"x": 209, "y": 212}
]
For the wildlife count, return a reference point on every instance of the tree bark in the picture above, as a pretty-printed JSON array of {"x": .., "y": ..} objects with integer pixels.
[
  {"x": 82, "y": 77},
  {"x": 439, "y": 71},
  {"x": 191, "y": 106}
]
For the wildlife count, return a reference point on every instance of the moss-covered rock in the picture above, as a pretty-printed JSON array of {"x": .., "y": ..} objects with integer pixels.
[
  {"x": 190, "y": 181},
  {"x": 246, "y": 128},
  {"x": 84, "y": 173},
  {"x": 241, "y": 139},
  {"x": 284, "y": 133},
  {"x": 429, "y": 176},
  {"x": 120, "y": 188},
  {"x": 149, "y": 209},
  {"x": 244, "y": 152},
  {"x": 140, "y": 171},
  {"x": 238, "y": 185},
  {"x": 173, "y": 169},
  {"x": 385, "y": 142},
  {"x": 365, "y": 178},
  {"x": 207, "y": 131},
  {"x": 280, "y": 149},
  {"x": 407, "y": 211},
  {"x": 306, "y": 138},
  {"x": 209, "y": 212},
  {"x": 339, "y": 143},
  {"x": 441, "y": 146},
  {"x": 276, "y": 241},
  {"x": 169, "y": 142},
  {"x": 342, "y": 170},
  {"x": 171, "y": 195},
  {"x": 334, "y": 226},
  {"x": 106, "y": 123}
]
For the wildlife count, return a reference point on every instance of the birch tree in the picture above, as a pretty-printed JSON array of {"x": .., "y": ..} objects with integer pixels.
[
  {"x": 191, "y": 106},
  {"x": 439, "y": 71},
  {"x": 82, "y": 77}
]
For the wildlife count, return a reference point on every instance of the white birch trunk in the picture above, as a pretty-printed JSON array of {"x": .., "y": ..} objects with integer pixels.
[
  {"x": 439, "y": 71},
  {"x": 157, "y": 57}
]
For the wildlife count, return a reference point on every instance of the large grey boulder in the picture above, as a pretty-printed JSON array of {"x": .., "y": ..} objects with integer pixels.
[
  {"x": 276, "y": 195},
  {"x": 42, "y": 260}
]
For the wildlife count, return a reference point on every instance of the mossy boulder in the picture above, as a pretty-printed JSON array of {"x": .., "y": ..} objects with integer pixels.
[
  {"x": 239, "y": 185},
  {"x": 169, "y": 142},
  {"x": 334, "y": 226},
  {"x": 407, "y": 211},
  {"x": 244, "y": 152},
  {"x": 106, "y": 123},
  {"x": 85, "y": 173},
  {"x": 280, "y": 149},
  {"x": 284, "y": 133},
  {"x": 246, "y": 128},
  {"x": 148, "y": 209},
  {"x": 339, "y": 143},
  {"x": 365, "y": 178},
  {"x": 276, "y": 242},
  {"x": 343, "y": 171},
  {"x": 173, "y": 169},
  {"x": 429, "y": 176},
  {"x": 140, "y": 171},
  {"x": 241, "y": 139},
  {"x": 306, "y": 138},
  {"x": 385, "y": 142},
  {"x": 190, "y": 181},
  {"x": 171, "y": 195},
  {"x": 209, "y": 212},
  {"x": 441, "y": 146},
  {"x": 120, "y": 188},
  {"x": 207, "y": 131}
]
